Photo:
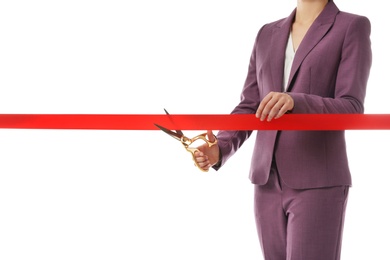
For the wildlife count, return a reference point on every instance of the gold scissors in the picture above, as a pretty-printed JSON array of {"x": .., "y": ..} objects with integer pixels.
[{"x": 186, "y": 142}]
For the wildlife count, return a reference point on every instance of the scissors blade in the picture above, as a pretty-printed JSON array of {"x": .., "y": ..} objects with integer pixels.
[
  {"x": 177, "y": 136},
  {"x": 177, "y": 131}
]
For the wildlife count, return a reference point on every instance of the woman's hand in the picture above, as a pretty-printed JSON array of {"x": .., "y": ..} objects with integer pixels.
[
  {"x": 207, "y": 156},
  {"x": 274, "y": 105}
]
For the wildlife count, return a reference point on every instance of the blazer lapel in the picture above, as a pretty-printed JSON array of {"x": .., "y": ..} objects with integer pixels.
[
  {"x": 280, "y": 36},
  {"x": 313, "y": 36}
]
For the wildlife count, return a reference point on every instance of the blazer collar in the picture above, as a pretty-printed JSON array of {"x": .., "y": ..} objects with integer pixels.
[{"x": 314, "y": 35}]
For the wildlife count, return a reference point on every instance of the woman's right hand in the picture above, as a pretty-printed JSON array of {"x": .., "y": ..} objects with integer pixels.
[{"x": 207, "y": 156}]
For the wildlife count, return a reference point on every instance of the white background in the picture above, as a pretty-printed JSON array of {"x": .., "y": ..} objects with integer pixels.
[{"x": 67, "y": 194}]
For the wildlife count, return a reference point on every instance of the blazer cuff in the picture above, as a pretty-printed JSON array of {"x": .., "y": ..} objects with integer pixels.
[{"x": 218, "y": 165}]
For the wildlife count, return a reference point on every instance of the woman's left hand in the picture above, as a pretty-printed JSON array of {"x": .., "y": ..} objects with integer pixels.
[{"x": 274, "y": 105}]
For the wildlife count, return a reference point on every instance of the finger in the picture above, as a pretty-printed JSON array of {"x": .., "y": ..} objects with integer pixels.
[
  {"x": 282, "y": 111},
  {"x": 288, "y": 104},
  {"x": 262, "y": 105},
  {"x": 204, "y": 166},
  {"x": 273, "y": 112},
  {"x": 203, "y": 163},
  {"x": 277, "y": 110},
  {"x": 269, "y": 110},
  {"x": 210, "y": 136},
  {"x": 201, "y": 159},
  {"x": 198, "y": 154},
  {"x": 260, "y": 109}
]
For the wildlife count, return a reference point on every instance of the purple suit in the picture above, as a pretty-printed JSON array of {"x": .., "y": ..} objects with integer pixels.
[
  {"x": 302, "y": 177},
  {"x": 329, "y": 75}
]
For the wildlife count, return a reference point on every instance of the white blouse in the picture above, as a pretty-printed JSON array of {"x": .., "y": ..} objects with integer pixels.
[{"x": 289, "y": 58}]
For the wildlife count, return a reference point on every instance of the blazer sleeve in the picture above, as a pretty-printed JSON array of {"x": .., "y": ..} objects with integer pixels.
[
  {"x": 230, "y": 141},
  {"x": 352, "y": 75}
]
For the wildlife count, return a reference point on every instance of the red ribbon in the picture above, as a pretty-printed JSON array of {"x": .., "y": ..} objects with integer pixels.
[{"x": 195, "y": 122}]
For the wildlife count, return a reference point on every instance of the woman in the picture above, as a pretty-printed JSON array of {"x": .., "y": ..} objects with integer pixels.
[{"x": 317, "y": 60}]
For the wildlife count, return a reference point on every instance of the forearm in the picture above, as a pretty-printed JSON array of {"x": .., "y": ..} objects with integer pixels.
[
  {"x": 313, "y": 104},
  {"x": 229, "y": 142}
]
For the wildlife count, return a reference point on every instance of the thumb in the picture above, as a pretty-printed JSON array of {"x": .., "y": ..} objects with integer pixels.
[{"x": 210, "y": 136}]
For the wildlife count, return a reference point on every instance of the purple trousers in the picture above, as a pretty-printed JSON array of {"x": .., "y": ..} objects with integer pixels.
[{"x": 299, "y": 224}]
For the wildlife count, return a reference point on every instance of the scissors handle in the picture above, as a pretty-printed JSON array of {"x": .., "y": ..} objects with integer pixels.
[{"x": 187, "y": 142}]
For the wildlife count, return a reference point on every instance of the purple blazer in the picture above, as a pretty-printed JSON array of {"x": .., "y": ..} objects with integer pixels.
[{"x": 329, "y": 75}]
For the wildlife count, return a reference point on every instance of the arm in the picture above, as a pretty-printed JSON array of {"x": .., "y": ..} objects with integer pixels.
[{"x": 230, "y": 141}]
